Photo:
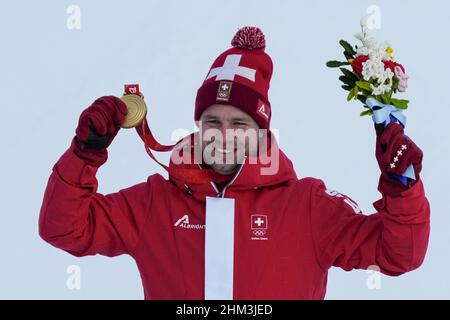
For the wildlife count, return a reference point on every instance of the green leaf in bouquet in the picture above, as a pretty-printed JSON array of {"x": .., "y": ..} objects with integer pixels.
[
  {"x": 348, "y": 47},
  {"x": 366, "y": 113},
  {"x": 356, "y": 90},
  {"x": 361, "y": 98},
  {"x": 350, "y": 95},
  {"x": 348, "y": 55},
  {"x": 364, "y": 85},
  {"x": 353, "y": 93},
  {"x": 347, "y": 87},
  {"x": 349, "y": 74},
  {"x": 395, "y": 82},
  {"x": 347, "y": 81},
  {"x": 366, "y": 92},
  {"x": 386, "y": 97},
  {"x": 336, "y": 64},
  {"x": 400, "y": 103}
]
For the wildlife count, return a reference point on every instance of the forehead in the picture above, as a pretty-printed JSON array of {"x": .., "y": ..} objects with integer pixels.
[{"x": 222, "y": 110}]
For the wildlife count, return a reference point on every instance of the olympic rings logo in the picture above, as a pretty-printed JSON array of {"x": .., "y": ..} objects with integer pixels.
[{"x": 259, "y": 233}]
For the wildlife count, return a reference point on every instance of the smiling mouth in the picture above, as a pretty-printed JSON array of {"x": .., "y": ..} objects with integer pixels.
[{"x": 225, "y": 151}]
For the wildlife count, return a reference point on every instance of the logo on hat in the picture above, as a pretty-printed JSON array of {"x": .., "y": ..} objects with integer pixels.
[
  {"x": 224, "y": 91},
  {"x": 231, "y": 68},
  {"x": 263, "y": 110}
]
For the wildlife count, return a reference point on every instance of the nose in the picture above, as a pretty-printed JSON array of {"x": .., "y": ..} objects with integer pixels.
[
  {"x": 226, "y": 141},
  {"x": 223, "y": 129}
]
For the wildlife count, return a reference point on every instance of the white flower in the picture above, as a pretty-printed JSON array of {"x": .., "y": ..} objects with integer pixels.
[
  {"x": 382, "y": 88},
  {"x": 384, "y": 81},
  {"x": 369, "y": 43},
  {"x": 362, "y": 51},
  {"x": 373, "y": 68}
]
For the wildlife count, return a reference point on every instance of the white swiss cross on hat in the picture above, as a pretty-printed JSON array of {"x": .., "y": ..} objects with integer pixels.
[{"x": 231, "y": 68}]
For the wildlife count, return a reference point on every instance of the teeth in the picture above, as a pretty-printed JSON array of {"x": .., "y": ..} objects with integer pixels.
[{"x": 224, "y": 150}]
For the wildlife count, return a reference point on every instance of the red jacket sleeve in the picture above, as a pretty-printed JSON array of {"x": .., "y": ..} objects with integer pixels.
[
  {"x": 394, "y": 239},
  {"x": 77, "y": 219}
]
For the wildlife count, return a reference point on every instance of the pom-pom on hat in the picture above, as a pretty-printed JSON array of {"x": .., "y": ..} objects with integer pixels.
[{"x": 240, "y": 76}]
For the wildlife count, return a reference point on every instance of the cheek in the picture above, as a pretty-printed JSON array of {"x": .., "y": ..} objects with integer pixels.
[
  {"x": 252, "y": 149},
  {"x": 206, "y": 136},
  {"x": 248, "y": 142}
]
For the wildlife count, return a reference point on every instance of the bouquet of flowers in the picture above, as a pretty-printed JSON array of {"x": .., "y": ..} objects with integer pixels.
[
  {"x": 374, "y": 73},
  {"x": 373, "y": 79}
]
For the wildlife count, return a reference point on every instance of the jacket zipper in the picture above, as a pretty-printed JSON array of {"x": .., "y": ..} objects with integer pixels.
[{"x": 221, "y": 194}]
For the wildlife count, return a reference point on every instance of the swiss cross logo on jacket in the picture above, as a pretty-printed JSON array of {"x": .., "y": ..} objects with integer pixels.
[{"x": 259, "y": 226}]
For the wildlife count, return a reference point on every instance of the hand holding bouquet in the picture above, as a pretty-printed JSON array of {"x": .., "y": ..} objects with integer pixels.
[{"x": 373, "y": 79}]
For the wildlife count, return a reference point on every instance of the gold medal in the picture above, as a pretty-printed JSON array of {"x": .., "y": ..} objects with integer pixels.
[{"x": 137, "y": 110}]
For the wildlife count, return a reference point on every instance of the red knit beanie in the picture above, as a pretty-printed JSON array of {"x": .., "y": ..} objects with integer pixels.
[{"x": 240, "y": 76}]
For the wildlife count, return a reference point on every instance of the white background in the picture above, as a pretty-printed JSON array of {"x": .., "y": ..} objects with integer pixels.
[{"x": 49, "y": 74}]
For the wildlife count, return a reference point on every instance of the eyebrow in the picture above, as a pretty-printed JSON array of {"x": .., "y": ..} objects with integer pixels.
[
  {"x": 243, "y": 119},
  {"x": 210, "y": 117}
]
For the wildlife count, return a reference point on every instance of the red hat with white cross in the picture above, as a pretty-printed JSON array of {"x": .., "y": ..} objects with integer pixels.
[{"x": 240, "y": 77}]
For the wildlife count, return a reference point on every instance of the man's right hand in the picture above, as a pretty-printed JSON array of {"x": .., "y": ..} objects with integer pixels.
[
  {"x": 97, "y": 127},
  {"x": 394, "y": 153}
]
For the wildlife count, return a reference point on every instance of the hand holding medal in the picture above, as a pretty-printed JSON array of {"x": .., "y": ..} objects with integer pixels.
[
  {"x": 137, "y": 109},
  {"x": 136, "y": 118}
]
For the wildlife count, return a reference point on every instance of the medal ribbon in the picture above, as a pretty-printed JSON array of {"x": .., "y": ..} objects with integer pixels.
[{"x": 196, "y": 176}]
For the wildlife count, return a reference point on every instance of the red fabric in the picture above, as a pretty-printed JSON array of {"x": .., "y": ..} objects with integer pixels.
[
  {"x": 394, "y": 153},
  {"x": 241, "y": 97},
  {"x": 245, "y": 93},
  {"x": 310, "y": 230},
  {"x": 104, "y": 115},
  {"x": 249, "y": 38}
]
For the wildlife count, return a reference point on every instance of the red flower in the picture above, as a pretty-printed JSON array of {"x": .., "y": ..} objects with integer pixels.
[
  {"x": 392, "y": 64},
  {"x": 357, "y": 64}
]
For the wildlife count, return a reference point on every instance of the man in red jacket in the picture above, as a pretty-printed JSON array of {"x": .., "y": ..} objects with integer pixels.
[{"x": 250, "y": 234}]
